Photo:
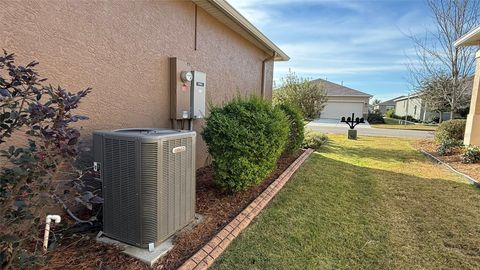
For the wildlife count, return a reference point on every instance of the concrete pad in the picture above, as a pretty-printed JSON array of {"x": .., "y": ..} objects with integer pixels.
[{"x": 141, "y": 254}]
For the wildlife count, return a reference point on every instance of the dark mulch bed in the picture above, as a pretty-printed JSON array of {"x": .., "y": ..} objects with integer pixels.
[
  {"x": 218, "y": 209},
  {"x": 430, "y": 146}
]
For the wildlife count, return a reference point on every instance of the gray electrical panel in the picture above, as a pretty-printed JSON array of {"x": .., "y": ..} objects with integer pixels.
[
  {"x": 198, "y": 103},
  {"x": 148, "y": 180}
]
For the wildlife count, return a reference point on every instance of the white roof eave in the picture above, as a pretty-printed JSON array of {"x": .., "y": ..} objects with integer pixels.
[
  {"x": 224, "y": 12},
  {"x": 471, "y": 38}
]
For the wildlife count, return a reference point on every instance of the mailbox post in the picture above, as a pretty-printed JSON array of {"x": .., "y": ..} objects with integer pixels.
[{"x": 352, "y": 122}]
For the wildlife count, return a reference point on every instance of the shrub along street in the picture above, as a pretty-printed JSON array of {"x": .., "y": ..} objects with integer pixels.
[{"x": 366, "y": 204}]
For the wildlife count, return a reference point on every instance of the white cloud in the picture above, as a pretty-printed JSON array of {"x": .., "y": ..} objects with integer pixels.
[{"x": 351, "y": 40}]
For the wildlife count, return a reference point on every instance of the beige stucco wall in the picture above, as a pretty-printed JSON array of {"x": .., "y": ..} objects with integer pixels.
[
  {"x": 414, "y": 108},
  {"x": 121, "y": 50}
]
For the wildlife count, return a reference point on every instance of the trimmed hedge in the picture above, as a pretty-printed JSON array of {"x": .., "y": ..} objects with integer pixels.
[
  {"x": 297, "y": 129},
  {"x": 409, "y": 118},
  {"x": 245, "y": 138},
  {"x": 375, "y": 118},
  {"x": 390, "y": 113},
  {"x": 451, "y": 130}
]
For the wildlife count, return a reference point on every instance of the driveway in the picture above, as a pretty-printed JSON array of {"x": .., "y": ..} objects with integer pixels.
[{"x": 334, "y": 126}]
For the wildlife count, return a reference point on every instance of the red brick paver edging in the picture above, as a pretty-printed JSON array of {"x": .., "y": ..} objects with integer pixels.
[{"x": 205, "y": 257}]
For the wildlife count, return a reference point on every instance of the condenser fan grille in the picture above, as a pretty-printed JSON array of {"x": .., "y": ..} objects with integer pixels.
[
  {"x": 178, "y": 189},
  {"x": 149, "y": 191},
  {"x": 120, "y": 202}
]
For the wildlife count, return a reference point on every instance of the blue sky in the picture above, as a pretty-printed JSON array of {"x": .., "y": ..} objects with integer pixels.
[{"x": 363, "y": 43}]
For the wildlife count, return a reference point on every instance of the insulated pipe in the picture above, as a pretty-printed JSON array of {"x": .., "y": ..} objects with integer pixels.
[{"x": 49, "y": 218}]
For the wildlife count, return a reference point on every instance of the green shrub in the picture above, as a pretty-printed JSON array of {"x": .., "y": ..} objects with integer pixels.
[
  {"x": 314, "y": 140},
  {"x": 375, "y": 118},
  {"x": 447, "y": 145},
  {"x": 297, "y": 129},
  {"x": 409, "y": 118},
  {"x": 471, "y": 155},
  {"x": 451, "y": 130},
  {"x": 245, "y": 138},
  {"x": 390, "y": 113}
]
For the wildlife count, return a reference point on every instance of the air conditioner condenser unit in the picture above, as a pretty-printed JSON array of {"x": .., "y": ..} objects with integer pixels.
[{"x": 148, "y": 180}]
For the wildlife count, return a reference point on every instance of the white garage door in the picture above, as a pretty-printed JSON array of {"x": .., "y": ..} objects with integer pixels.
[{"x": 335, "y": 110}]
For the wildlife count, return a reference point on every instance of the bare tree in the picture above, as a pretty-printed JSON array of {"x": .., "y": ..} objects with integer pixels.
[
  {"x": 433, "y": 90},
  {"x": 437, "y": 58}
]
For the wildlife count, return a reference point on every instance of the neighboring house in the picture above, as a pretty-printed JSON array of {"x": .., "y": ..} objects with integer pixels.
[
  {"x": 414, "y": 106},
  {"x": 343, "y": 101},
  {"x": 383, "y": 107},
  {"x": 472, "y": 129},
  {"x": 121, "y": 49}
]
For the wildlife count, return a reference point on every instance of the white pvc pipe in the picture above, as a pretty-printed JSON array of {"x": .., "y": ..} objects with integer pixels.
[{"x": 49, "y": 218}]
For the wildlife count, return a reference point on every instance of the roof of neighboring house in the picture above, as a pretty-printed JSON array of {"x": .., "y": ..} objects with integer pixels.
[
  {"x": 471, "y": 38},
  {"x": 407, "y": 97},
  {"x": 228, "y": 15},
  {"x": 390, "y": 102},
  {"x": 333, "y": 89}
]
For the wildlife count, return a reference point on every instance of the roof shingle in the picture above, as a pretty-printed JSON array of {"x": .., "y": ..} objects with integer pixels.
[
  {"x": 390, "y": 101},
  {"x": 333, "y": 89}
]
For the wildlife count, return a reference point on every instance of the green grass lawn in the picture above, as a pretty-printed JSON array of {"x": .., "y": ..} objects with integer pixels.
[
  {"x": 408, "y": 127},
  {"x": 375, "y": 203},
  {"x": 394, "y": 124}
]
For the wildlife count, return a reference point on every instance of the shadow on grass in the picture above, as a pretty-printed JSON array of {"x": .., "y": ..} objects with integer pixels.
[{"x": 335, "y": 215}]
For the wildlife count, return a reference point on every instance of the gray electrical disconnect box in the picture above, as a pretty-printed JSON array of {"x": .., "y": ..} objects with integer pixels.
[{"x": 199, "y": 84}]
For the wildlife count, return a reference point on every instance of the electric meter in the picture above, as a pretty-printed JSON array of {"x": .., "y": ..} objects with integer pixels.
[{"x": 186, "y": 76}]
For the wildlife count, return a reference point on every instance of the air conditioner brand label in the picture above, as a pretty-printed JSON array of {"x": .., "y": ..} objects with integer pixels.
[{"x": 179, "y": 149}]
